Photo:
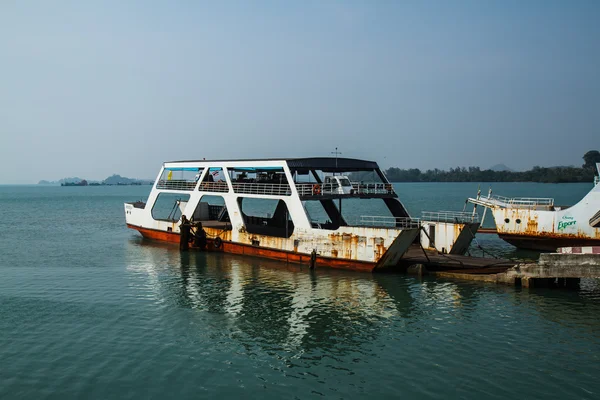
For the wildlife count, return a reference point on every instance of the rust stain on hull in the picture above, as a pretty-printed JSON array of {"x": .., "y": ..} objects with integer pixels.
[
  {"x": 547, "y": 241},
  {"x": 259, "y": 251},
  {"x": 532, "y": 226}
]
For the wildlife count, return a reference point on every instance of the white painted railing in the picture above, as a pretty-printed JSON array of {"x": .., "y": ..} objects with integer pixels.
[
  {"x": 176, "y": 185},
  {"x": 220, "y": 187},
  {"x": 524, "y": 201},
  {"x": 319, "y": 189},
  {"x": 391, "y": 222},
  {"x": 449, "y": 216},
  {"x": 316, "y": 189},
  {"x": 272, "y": 189},
  {"x": 372, "y": 188},
  {"x": 276, "y": 189}
]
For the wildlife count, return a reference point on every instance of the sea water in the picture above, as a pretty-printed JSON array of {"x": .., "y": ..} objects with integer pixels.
[{"x": 88, "y": 309}]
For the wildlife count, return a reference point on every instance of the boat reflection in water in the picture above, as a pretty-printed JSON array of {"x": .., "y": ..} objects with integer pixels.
[
  {"x": 289, "y": 306},
  {"x": 343, "y": 332}
]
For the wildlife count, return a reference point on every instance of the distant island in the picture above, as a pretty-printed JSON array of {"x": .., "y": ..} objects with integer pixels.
[{"x": 115, "y": 179}]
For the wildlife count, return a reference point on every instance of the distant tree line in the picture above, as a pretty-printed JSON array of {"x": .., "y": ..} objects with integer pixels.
[{"x": 475, "y": 174}]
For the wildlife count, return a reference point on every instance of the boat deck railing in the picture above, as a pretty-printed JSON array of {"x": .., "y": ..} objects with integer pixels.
[
  {"x": 373, "y": 188},
  {"x": 272, "y": 189},
  {"x": 358, "y": 189},
  {"x": 374, "y": 221},
  {"x": 176, "y": 185},
  {"x": 524, "y": 201},
  {"x": 449, "y": 216},
  {"x": 388, "y": 222},
  {"x": 305, "y": 190},
  {"x": 220, "y": 187}
]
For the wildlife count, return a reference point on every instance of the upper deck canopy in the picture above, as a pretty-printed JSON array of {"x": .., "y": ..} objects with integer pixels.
[{"x": 325, "y": 164}]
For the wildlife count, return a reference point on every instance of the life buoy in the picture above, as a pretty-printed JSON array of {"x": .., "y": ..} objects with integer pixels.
[
  {"x": 218, "y": 242},
  {"x": 316, "y": 188}
]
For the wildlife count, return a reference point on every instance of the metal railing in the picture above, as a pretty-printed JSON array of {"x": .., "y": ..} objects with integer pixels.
[
  {"x": 220, "y": 187},
  {"x": 449, "y": 216},
  {"x": 524, "y": 201},
  {"x": 272, "y": 189},
  {"x": 316, "y": 189},
  {"x": 388, "y": 222},
  {"x": 319, "y": 189},
  {"x": 275, "y": 189},
  {"x": 176, "y": 185},
  {"x": 372, "y": 188}
]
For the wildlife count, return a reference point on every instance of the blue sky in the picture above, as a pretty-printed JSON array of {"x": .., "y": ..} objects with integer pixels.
[{"x": 95, "y": 88}]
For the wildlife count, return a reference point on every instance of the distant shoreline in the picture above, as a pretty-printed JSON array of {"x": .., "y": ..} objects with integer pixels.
[
  {"x": 113, "y": 180},
  {"x": 475, "y": 174}
]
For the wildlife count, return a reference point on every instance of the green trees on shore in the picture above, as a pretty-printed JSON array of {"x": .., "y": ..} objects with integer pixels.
[{"x": 475, "y": 174}]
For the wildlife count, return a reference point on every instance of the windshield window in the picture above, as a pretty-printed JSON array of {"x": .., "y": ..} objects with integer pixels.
[{"x": 345, "y": 182}]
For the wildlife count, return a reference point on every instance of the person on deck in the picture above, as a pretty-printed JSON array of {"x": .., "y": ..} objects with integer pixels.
[
  {"x": 200, "y": 237},
  {"x": 184, "y": 233}
]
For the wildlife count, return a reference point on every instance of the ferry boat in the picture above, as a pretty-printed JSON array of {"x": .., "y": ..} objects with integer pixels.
[
  {"x": 292, "y": 210},
  {"x": 539, "y": 224}
]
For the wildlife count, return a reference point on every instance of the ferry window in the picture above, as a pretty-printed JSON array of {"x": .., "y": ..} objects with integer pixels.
[
  {"x": 266, "y": 217},
  {"x": 214, "y": 181},
  {"x": 260, "y": 180},
  {"x": 274, "y": 175},
  {"x": 169, "y": 206},
  {"x": 214, "y": 175},
  {"x": 211, "y": 208},
  {"x": 345, "y": 182},
  {"x": 179, "y": 178}
]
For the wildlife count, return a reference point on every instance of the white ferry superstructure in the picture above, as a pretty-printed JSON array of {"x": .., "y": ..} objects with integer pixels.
[{"x": 261, "y": 208}]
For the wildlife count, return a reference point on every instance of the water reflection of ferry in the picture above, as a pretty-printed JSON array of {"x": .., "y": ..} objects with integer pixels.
[
  {"x": 291, "y": 210},
  {"x": 266, "y": 300}
]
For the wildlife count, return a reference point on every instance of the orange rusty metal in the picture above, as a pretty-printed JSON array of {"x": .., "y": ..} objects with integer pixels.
[
  {"x": 532, "y": 226},
  {"x": 247, "y": 249}
]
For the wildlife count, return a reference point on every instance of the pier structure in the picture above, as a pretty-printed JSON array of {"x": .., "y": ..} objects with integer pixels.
[{"x": 564, "y": 268}]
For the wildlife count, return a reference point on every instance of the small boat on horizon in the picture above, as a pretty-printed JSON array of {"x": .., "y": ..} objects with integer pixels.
[
  {"x": 538, "y": 224},
  {"x": 292, "y": 210}
]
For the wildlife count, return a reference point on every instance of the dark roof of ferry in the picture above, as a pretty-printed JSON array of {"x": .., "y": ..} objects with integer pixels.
[{"x": 326, "y": 164}]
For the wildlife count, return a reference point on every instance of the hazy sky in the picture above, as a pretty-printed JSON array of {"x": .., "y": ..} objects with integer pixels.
[{"x": 92, "y": 88}]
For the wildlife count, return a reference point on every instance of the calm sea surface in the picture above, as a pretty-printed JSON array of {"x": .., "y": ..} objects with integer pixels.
[{"x": 90, "y": 310}]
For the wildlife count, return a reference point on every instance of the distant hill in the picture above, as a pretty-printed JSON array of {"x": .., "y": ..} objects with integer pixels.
[
  {"x": 111, "y": 180},
  {"x": 60, "y": 181},
  {"x": 500, "y": 167},
  {"x": 121, "y": 180}
]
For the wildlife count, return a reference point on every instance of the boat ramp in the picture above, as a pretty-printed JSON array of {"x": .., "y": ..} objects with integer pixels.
[{"x": 565, "y": 268}]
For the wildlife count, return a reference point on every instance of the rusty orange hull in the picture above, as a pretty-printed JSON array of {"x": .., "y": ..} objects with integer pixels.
[
  {"x": 249, "y": 250},
  {"x": 546, "y": 242}
]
